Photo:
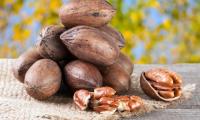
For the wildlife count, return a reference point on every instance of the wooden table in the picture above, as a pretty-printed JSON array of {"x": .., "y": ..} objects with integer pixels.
[{"x": 189, "y": 110}]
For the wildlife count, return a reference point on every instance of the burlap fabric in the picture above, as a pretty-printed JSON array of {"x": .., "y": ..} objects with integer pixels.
[{"x": 15, "y": 104}]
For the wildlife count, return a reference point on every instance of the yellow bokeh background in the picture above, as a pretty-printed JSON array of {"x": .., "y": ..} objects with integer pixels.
[{"x": 164, "y": 31}]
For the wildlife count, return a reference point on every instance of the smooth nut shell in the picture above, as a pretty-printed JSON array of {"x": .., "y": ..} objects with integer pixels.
[
  {"x": 115, "y": 35},
  {"x": 24, "y": 62},
  {"x": 149, "y": 90},
  {"x": 91, "y": 45},
  {"x": 86, "y": 12},
  {"x": 116, "y": 77},
  {"x": 43, "y": 79},
  {"x": 49, "y": 44},
  {"x": 82, "y": 75},
  {"x": 125, "y": 62}
]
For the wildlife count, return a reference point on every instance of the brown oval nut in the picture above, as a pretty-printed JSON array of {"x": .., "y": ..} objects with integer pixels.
[
  {"x": 125, "y": 63},
  {"x": 43, "y": 79},
  {"x": 91, "y": 45},
  {"x": 82, "y": 99},
  {"x": 82, "y": 75},
  {"x": 161, "y": 84},
  {"x": 86, "y": 12},
  {"x": 116, "y": 77},
  {"x": 103, "y": 92},
  {"x": 49, "y": 44},
  {"x": 105, "y": 109},
  {"x": 24, "y": 62},
  {"x": 115, "y": 35}
]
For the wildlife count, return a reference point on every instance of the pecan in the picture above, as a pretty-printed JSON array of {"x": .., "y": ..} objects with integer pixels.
[
  {"x": 161, "y": 84},
  {"x": 128, "y": 103},
  {"x": 105, "y": 109},
  {"x": 82, "y": 98},
  {"x": 104, "y": 100},
  {"x": 103, "y": 92}
]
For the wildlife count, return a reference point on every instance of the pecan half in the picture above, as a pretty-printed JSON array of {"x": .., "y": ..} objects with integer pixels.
[
  {"x": 105, "y": 109},
  {"x": 82, "y": 99},
  {"x": 103, "y": 92}
]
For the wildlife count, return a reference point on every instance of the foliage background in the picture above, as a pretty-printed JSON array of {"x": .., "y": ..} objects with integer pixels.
[{"x": 156, "y": 31}]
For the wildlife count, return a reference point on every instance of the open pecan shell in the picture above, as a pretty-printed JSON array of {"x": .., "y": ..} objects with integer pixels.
[{"x": 155, "y": 90}]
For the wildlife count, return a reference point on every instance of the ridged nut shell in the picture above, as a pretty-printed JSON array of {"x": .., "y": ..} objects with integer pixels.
[
  {"x": 125, "y": 62},
  {"x": 82, "y": 75},
  {"x": 89, "y": 44},
  {"x": 115, "y": 35},
  {"x": 43, "y": 79},
  {"x": 93, "y": 13},
  {"x": 49, "y": 44},
  {"x": 116, "y": 77},
  {"x": 24, "y": 62}
]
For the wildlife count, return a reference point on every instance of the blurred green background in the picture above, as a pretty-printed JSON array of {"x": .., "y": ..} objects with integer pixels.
[{"x": 156, "y": 31}]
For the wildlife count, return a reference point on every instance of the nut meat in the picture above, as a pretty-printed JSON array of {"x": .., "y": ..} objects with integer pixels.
[
  {"x": 107, "y": 101},
  {"x": 103, "y": 92},
  {"x": 81, "y": 99},
  {"x": 161, "y": 84}
]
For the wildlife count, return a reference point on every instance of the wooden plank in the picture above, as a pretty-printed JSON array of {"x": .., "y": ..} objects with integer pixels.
[{"x": 172, "y": 114}]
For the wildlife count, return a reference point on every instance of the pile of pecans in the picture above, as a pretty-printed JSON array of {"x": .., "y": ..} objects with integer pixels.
[{"x": 84, "y": 55}]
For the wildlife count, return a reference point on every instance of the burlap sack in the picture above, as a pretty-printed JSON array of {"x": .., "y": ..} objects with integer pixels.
[{"x": 15, "y": 104}]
